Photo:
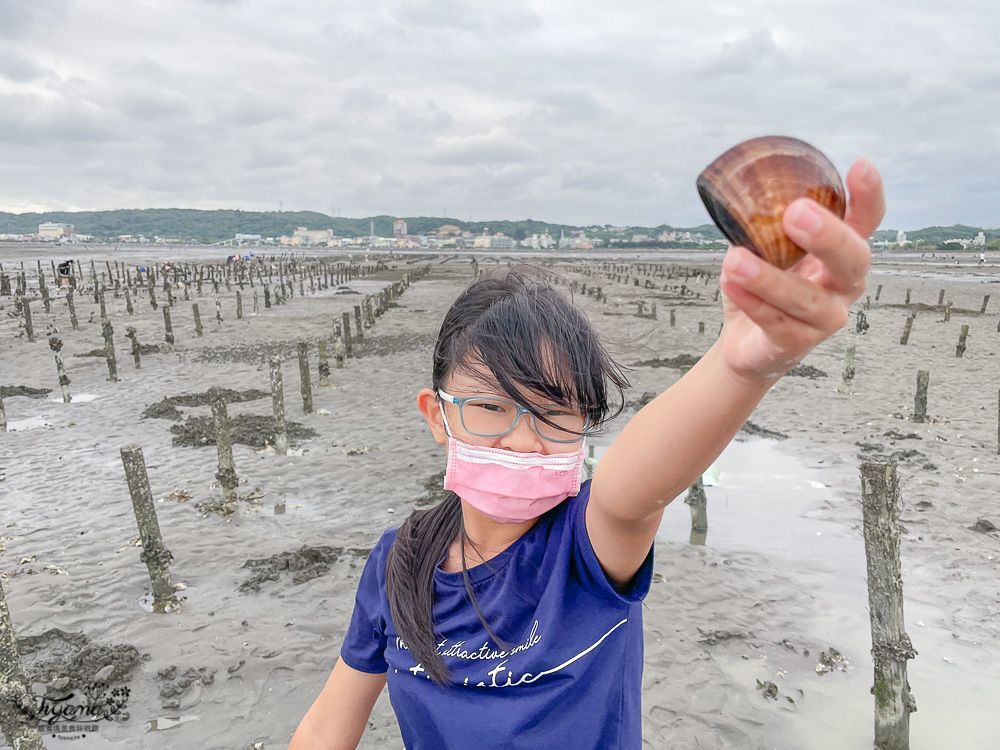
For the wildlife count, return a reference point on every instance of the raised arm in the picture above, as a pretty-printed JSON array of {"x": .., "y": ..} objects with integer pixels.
[
  {"x": 772, "y": 319},
  {"x": 338, "y": 717}
]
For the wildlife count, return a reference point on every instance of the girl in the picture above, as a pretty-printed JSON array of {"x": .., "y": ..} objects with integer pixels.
[{"x": 510, "y": 616}]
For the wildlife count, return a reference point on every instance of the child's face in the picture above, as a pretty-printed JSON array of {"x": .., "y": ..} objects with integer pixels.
[{"x": 522, "y": 439}]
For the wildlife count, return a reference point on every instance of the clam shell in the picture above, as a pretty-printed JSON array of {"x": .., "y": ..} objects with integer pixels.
[{"x": 748, "y": 188}]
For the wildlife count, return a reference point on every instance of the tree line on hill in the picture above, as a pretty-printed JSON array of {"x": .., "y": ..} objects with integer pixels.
[
  {"x": 189, "y": 225},
  {"x": 214, "y": 226}
]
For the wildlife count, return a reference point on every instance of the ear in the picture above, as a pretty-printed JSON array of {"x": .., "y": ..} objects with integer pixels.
[{"x": 428, "y": 404}]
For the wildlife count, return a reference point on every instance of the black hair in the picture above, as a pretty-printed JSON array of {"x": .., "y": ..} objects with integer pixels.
[{"x": 521, "y": 335}]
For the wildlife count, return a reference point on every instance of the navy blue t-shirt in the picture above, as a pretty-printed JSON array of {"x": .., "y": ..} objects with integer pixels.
[{"x": 570, "y": 674}]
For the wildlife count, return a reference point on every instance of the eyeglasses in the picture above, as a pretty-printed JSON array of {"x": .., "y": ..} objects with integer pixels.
[{"x": 495, "y": 417}]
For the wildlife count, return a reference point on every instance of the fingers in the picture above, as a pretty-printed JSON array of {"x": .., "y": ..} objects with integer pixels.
[
  {"x": 843, "y": 252},
  {"x": 773, "y": 298},
  {"x": 866, "y": 201}
]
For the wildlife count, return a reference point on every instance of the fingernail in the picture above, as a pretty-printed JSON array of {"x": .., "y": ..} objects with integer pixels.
[
  {"x": 804, "y": 217},
  {"x": 869, "y": 176},
  {"x": 744, "y": 266}
]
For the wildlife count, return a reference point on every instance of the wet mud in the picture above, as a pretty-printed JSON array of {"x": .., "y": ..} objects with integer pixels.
[
  {"x": 9, "y": 391},
  {"x": 434, "y": 491},
  {"x": 303, "y": 564},
  {"x": 680, "y": 362},
  {"x": 750, "y": 428},
  {"x": 68, "y": 661},
  {"x": 181, "y": 689},
  {"x": 167, "y": 408},
  {"x": 246, "y": 429}
]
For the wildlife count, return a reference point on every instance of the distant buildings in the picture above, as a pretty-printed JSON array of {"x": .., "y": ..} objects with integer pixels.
[
  {"x": 303, "y": 237},
  {"x": 50, "y": 230},
  {"x": 399, "y": 229}
]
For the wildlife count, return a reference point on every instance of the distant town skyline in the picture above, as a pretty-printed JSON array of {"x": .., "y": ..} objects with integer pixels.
[{"x": 573, "y": 112}]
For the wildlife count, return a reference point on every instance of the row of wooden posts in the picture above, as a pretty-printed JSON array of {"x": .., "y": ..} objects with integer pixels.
[
  {"x": 328, "y": 275},
  {"x": 18, "y": 727}
]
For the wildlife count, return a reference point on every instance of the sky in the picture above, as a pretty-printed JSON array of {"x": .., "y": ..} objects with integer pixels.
[{"x": 570, "y": 111}]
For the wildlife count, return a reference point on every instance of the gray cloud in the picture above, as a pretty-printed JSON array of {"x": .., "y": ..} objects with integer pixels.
[{"x": 577, "y": 113}]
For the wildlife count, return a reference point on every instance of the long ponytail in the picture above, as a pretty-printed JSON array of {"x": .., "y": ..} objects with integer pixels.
[{"x": 420, "y": 543}]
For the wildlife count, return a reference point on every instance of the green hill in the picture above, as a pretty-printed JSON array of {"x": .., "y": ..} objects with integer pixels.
[{"x": 212, "y": 226}]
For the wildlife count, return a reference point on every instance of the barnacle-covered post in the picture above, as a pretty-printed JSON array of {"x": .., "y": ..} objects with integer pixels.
[
  {"x": 72, "y": 309},
  {"x": 920, "y": 400},
  {"x": 197, "y": 319},
  {"x": 699, "y": 512},
  {"x": 305, "y": 385},
  {"x": 136, "y": 349},
  {"x": 324, "y": 364},
  {"x": 168, "y": 327},
  {"x": 154, "y": 552},
  {"x": 109, "y": 350},
  {"x": 278, "y": 408},
  {"x": 848, "y": 376},
  {"x": 960, "y": 349},
  {"x": 56, "y": 345},
  {"x": 224, "y": 447},
  {"x": 18, "y": 727},
  {"x": 29, "y": 328},
  {"x": 906, "y": 330},
  {"x": 891, "y": 647}
]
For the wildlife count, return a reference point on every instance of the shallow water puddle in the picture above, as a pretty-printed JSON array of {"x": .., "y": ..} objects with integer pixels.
[
  {"x": 30, "y": 423},
  {"x": 765, "y": 500},
  {"x": 77, "y": 398}
]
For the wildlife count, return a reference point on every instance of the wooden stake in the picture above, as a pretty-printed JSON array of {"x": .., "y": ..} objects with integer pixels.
[
  {"x": 278, "y": 408},
  {"x": 920, "y": 400},
  {"x": 29, "y": 328},
  {"x": 891, "y": 646},
  {"x": 848, "y": 368},
  {"x": 72, "y": 309},
  {"x": 169, "y": 328},
  {"x": 224, "y": 448},
  {"x": 305, "y": 386},
  {"x": 346, "y": 328},
  {"x": 960, "y": 349},
  {"x": 18, "y": 727},
  {"x": 698, "y": 502},
  {"x": 906, "y": 330},
  {"x": 154, "y": 552},
  {"x": 136, "y": 349},
  {"x": 3, "y": 418},
  {"x": 986, "y": 301},
  {"x": 56, "y": 345},
  {"x": 197, "y": 320},
  {"x": 109, "y": 350},
  {"x": 324, "y": 364}
]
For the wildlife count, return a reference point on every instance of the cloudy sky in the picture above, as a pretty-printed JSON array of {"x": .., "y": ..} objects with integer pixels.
[{"x": 573, "y": 111}]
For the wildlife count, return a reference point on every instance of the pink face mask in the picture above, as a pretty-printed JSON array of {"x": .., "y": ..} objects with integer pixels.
[{"x": 511, "y": 487}]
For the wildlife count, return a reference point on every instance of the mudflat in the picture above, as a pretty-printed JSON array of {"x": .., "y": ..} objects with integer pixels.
[{"x": 756, "y": 638}]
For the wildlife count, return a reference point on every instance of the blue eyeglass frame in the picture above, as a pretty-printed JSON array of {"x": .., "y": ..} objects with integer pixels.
[{"x": 460, "y": 403}]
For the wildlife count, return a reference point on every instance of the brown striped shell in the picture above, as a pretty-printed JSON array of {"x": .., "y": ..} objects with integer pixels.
[{"x": 748, "y": 188}]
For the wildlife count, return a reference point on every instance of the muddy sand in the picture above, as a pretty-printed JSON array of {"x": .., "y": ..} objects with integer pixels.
[{"x": 758, "y": 638}]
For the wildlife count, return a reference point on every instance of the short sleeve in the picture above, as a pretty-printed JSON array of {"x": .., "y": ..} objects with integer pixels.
[
  {"x": 589, "y": 567},
  {"x": 365, "y": 640}
]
